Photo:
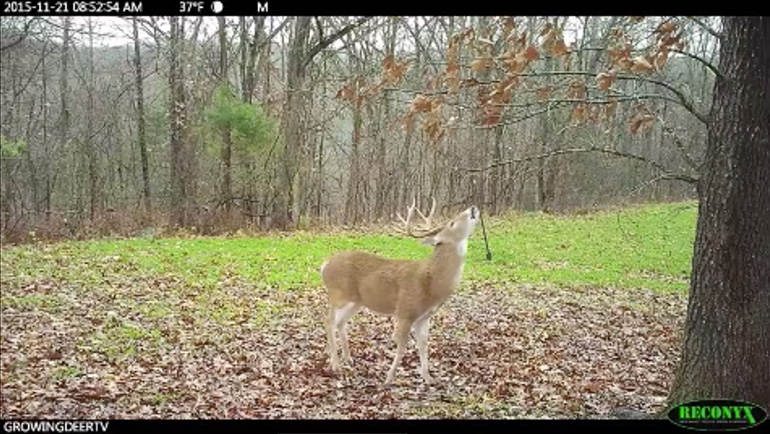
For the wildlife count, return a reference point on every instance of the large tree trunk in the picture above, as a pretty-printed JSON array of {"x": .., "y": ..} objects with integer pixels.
[
  {"x": 141, "y": 122},
  {"x": 179, "y": 199},
  {"x": 726, "y": 351}
]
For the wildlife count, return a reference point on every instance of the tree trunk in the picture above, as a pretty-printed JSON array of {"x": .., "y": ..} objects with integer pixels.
[
  {"x": 141, "y": 128},
  {"x": 227, "y": 142},
  {"x": 290, "y": 124},
  {"x": 90, "y": 154},
  {"x": 382, "y": 183},
  {"x": 179, "y": 199},
  {"x": 64, "y": 86},
  {"x": 249, "y": 79},
  {"x": 353, "y": 199},
  {"x": 726, "y": 349}
]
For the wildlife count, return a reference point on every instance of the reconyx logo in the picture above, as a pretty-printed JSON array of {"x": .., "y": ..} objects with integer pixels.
[{"x": 717, "y": 415}]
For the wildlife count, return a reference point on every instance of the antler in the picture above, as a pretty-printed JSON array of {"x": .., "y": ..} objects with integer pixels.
[{"x": 427, "y": 229}]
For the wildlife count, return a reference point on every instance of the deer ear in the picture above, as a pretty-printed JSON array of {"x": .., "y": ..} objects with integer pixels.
[{"x": 429, "y": 241}]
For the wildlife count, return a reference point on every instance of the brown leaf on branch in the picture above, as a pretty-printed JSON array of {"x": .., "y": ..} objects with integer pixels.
[
  {"x": 620, "y": 57},
  {"x": 346, "y": 93},
  {"x": 667, "y": 27},
  {"x": 547, "y": 29},
  {"x": 531, "y": 53},
  {"x": 661, "y": 57},
  {"x": 515, "y": 63},
  {"x": 577, "y": 89},
  {"x": 452, "y": 80},
  {"x": 388, "y": 62},
  {"x": 668, "y": 40},
  {"x": 409, "y": 120},
  {"x": 641, "y": 65},
  {"x": 610, "y": 109},
  {"x": 559, "y": 48},
  {"x": 521, "y": 42},
  {"x": 482, "y": 63},
  {"x": 578, "y": 113},
  {"x": 640, "y": 121},
  {"x": 604, "y": 80},
  {"x": 421, "y": 103},
  {"x": 508, "y": 27},
  {"x": 544, "y": 93},
  {"x": 491, "y": 114}
]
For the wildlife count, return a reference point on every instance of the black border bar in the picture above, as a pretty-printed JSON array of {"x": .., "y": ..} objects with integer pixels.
[
  {"x": 338, "y": 8},
  {"x": 388, "y": 426}
]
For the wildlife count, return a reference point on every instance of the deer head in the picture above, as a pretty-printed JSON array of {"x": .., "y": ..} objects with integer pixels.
[{"x": 455, "y": 231}]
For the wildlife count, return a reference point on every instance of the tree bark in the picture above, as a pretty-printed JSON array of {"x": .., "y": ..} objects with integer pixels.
[
  {"x": 141, "y": 128},
  {"x": 353, "y": 197},
  {"x": 227, "y": 142},
  {"x": 179, "y": 199},
  {"x": 290, "y": 124},
  {"x": 64, "y": 86},
  {"x": 93, "y": 184},
  {"x": 726, "y": 349}
]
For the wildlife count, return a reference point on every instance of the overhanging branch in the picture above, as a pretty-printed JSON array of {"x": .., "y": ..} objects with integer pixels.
[{"x": 615, "y": 153}]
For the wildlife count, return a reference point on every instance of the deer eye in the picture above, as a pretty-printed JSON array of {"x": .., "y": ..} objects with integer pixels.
[{"x": 451, "y": 225}]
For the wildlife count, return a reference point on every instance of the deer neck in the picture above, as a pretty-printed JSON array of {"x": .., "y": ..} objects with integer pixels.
[{"x": 447, "y": 265}]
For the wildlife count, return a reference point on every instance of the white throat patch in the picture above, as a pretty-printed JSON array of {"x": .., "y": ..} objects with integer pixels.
[{"x": 462, "y": 247}]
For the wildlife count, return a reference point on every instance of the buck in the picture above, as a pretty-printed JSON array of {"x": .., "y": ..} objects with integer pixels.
[{"x": 409, "y": 290}]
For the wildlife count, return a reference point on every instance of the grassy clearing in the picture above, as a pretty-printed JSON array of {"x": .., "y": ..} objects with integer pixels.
[
  {"x": 640, "y": 247},
  {"x": 232, "y": 327}
]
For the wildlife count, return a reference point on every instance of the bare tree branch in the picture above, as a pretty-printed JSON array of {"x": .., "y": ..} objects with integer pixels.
[
  {"x": 705, "y": 62},
  {"x": 706, "y": 27},
  {"x": 323, "y": 43},
  {"x": 22, "y": 36},
  {"x": 613, "y": 152}
]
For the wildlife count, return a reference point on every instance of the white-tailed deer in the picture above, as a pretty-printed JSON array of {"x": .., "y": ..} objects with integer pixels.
[{"x": 410, "y": 290}]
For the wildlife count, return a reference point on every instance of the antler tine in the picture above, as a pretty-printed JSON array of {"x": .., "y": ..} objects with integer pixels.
[
  {"x": 406, "y": 221},
  {"x": 430, "y": 215},
  {"x": 427, "y": 229}
]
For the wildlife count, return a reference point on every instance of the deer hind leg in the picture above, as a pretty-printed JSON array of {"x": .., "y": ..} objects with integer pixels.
[
  {"x": 421, "y": 327},
  {"x": 341, "y": 317},
  {"x": 401, "y": 336}
]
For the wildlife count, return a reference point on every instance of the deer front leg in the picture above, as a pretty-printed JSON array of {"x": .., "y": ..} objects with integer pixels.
[
  {"x": 400, "y": 335},
  {"x": 331, "y": 345},
  {"x": 341, "y": 318},
  {"x": 421, "y": 327}
]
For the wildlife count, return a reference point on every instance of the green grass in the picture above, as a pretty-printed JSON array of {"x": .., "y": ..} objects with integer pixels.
[
  {"x": 639, "y": 247},
  {"x": 119, "y": 341}
]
